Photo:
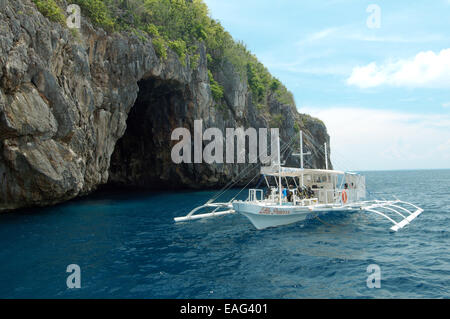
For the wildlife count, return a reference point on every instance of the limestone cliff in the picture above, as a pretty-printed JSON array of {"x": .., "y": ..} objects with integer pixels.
[{"x": 82, "y": 110}]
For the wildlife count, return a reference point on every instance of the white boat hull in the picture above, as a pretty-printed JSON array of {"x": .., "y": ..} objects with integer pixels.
[
  {"x": 264, "y": 214},
  {"x": 271, "y": 216}
]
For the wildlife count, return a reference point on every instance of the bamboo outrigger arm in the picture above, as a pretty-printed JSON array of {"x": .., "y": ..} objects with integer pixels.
[
  {"x": 214, "y": 213},
  {"x": 395, "y": 207}
]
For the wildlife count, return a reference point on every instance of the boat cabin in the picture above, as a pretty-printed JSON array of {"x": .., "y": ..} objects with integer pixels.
[{"x": 307, "y": 187}]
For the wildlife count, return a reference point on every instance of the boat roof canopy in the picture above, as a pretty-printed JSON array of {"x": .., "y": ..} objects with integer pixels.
[{"x": 296, "y": 172}]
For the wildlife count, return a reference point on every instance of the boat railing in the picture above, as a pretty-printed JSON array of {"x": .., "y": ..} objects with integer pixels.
[
  {"x": 307, "y": 202},
  {"x": 325, "y": 196},
  {"x": 321, "y": 196},
  {"x": 351, "y": 196},
  {"x": 253, "y": 195}
]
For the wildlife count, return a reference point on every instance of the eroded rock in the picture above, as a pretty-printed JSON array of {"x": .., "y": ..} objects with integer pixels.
[{"x": 79, "y": 112}]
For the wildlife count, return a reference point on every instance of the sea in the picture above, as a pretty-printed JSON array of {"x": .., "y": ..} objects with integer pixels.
[{"x": 127, "y": 245}]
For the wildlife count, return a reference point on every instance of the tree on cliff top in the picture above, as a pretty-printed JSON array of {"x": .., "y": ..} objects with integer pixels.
[{"x": 182, "y": 25}]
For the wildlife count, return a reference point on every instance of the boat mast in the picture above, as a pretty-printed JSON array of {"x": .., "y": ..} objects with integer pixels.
[
  {"x": 301, "y": 150},
  {"x": 326, "y": 156},
  {"x": 302, "y": 154},
  {"x": 279, "y": 171}
]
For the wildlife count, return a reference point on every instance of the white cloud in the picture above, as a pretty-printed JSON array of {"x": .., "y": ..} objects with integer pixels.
[
  {"x": 426, "y": 69},
  {"x": 316, "y": 36},
  {"x": 351, "y": 33},
  {"x": 445, "y": 146},
  {"x": 366, "y": 139},
  {"x": 316, "y": 63},
  {"x": 446, "y": 105},
  {"x": 394, "y": 38}
]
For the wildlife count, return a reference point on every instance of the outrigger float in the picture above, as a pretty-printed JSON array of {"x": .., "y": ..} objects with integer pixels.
[{"x": 300, "y": 193}]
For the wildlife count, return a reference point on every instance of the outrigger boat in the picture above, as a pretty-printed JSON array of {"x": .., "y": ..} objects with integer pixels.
[{"x": 305, "y": 193}]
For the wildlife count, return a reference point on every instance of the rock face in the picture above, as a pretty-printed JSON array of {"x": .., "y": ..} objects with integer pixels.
[{"x": 82, "y": 110}]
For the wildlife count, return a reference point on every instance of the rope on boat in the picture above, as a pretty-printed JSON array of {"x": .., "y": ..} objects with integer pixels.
[
  {"x": 252, "y": 166},
  {"x": 283, "y": 150},
  {"x": 243, "y": 188},
  {"x": 231, "y": 183},
  {"x": 322, "y": 152},
  {"x": 328, "y": 224}
]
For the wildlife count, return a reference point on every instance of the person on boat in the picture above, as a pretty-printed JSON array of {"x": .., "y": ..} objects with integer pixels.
[
  {"x": 310, "y": 192},
  {"x": 345, "y": 186},
  {"x": 290, "y": 193},
  {"x": 284, "y": 190},
  {"x": 269, "y": 192},
  {"x": 300, "y": 192}
]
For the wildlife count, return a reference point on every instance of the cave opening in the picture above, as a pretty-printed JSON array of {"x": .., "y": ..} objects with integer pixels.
[{"x": 141, "y": 158}]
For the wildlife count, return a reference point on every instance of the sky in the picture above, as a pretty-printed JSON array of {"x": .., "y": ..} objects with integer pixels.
[{"x": 376, "y": 72}]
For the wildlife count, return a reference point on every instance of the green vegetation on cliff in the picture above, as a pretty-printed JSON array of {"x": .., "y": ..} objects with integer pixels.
[
  {"x": 50, "y": 9},
  {"x": 216, "y": 88},
  {"x": 98, "y": 12},
  {"x": 181, "y": 25}
]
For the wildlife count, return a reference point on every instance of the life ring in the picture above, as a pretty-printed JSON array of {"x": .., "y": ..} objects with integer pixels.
[{"x": 344, "y": 197}]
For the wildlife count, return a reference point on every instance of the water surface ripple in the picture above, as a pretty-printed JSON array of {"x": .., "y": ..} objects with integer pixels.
[{"x": 128, "y": 246}]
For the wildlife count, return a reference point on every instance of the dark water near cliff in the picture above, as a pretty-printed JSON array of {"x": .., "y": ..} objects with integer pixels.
[{"x": 128, "y": 246}]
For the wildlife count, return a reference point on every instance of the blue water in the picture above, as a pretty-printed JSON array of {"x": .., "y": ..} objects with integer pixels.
[{"x": 128, "y": 246}]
